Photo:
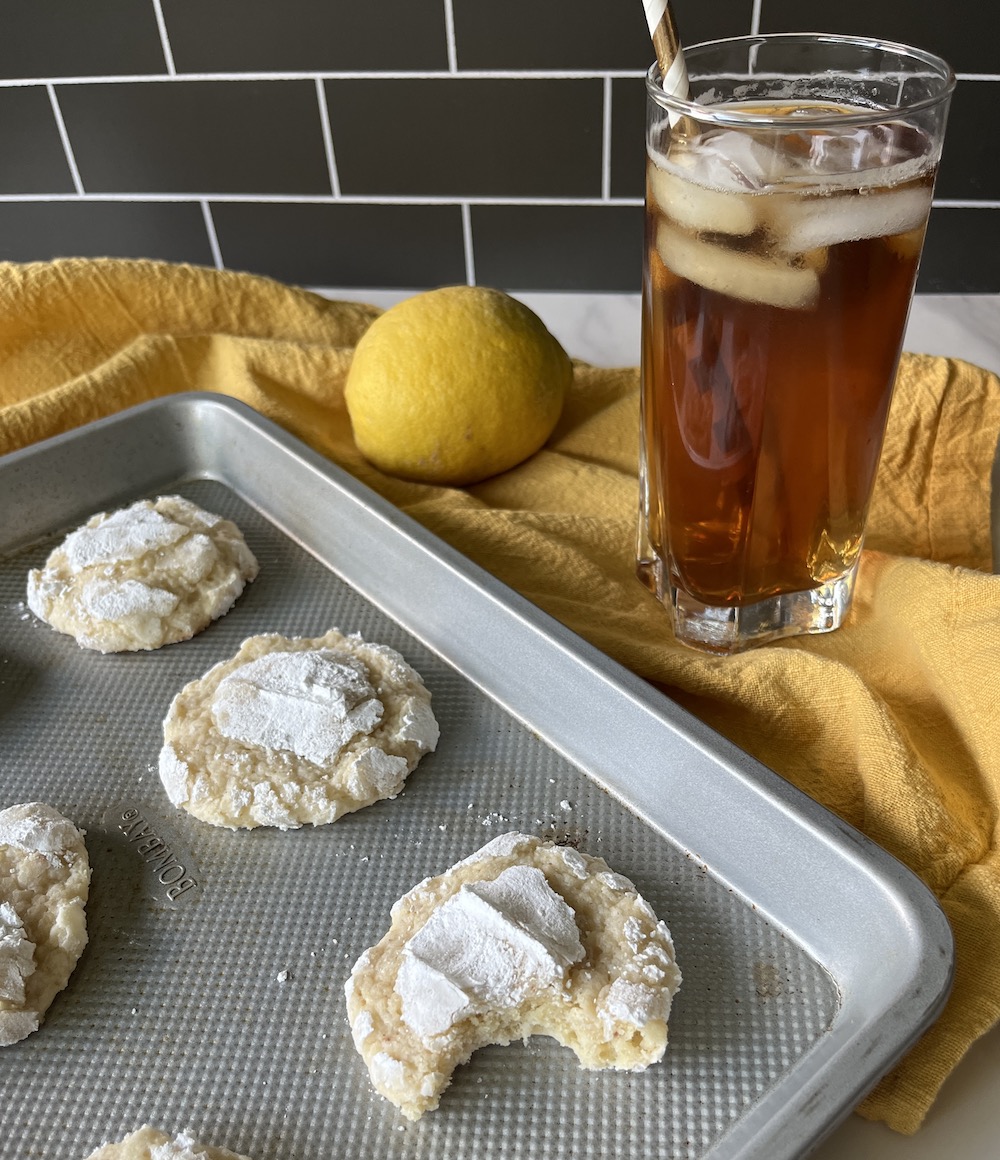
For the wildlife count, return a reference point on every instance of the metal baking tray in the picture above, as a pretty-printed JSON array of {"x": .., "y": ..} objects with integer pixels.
[{"x": 811, "y": 959}]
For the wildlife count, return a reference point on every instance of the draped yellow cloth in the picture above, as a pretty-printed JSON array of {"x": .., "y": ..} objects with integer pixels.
[{"x": 893, "y": 721}]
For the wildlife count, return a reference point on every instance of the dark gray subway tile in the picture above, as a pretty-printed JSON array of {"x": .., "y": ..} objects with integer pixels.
[
  {"x": 628, "y": 137},
  {"x": 524, "y": 247},
  {"x": 970, "y": 165},
  {"x": 34, "y": 231},
  {"x": 34, "y": 160},
  {"x": 959, "y": 253},
  {"x": 462, "y": 137},
  {"x": 585, "y": 34},
  {"x": 304, "y": 35},
  {"x": 964, "y": 32},
  {"x": 79, "y": 38},
  {"x": 197, "y": 137},
  {"x": 588, "y": 34},
  {"x": 338, "y": 244},
  {"x": 698, "y": 21}
]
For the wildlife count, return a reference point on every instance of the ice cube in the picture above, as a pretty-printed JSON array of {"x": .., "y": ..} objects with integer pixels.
[
  {"x": 847, "y": 149},
  {"x": 805, "y": 223},
  {"x": 696, "y": 207},
  {"x": 739, "y": 275},
  {"x": 732, "y": 160}
]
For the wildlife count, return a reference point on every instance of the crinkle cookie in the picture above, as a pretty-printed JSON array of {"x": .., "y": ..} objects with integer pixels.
[
  {"x": 44, "y": 883},
  {"x": 522, "y": 938},
  {"x": 152, "y": 1144},
  {"x": 295, "y": 731},
  {"x": 147, "y": 575}
]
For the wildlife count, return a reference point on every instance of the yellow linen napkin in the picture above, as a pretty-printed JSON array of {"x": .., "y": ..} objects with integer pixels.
[{"x": 893, "y": 722}]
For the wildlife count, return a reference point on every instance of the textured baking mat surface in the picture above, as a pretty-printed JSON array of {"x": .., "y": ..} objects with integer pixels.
[{"x": 221, "y": 1010}]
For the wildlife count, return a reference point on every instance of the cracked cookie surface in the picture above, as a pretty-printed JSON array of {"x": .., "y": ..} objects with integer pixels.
[
  {"x": 44, "y": 884},
  {"x": 151, "y": 574},
  {"x": 522, "y": 938},
  {"x": 296, "y": 731}
]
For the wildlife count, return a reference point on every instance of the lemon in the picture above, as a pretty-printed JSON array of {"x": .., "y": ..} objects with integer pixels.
[{"x": 455, "y": 385}]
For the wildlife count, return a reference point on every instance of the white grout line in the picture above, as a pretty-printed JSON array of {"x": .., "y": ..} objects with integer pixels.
[
  {"x": 324, "y": 120},
  {"x": 161, "y": 24},
  {"x": 323, "y": 198},
  {"x": 606, "y": 143},
  {"x": 470, "y": 257},
  {"x": 64, "y": 137},
  {"x": 964, "y": 203},
  {"x": 430, "y": 74},
  {"x": 213, "y": 237},
  {"x": 449, "y": 26},
  {"x": 755, "y": 18}
]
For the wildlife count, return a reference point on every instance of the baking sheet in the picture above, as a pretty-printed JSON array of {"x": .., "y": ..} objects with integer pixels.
[{"x": 220, "y": 1008}]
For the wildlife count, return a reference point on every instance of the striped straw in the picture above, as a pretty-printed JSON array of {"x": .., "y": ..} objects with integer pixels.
[{"x": 667, "y": 46}]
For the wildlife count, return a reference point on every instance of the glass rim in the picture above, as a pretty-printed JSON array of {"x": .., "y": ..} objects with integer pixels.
[{"x": 723, "y": 114}]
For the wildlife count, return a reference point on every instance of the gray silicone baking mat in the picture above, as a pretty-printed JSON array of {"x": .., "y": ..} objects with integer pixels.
[{"x": 221, "y": 1009}]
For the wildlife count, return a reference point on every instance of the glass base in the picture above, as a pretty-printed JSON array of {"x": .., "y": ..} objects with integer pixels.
[{"x": 724, "y": 629}]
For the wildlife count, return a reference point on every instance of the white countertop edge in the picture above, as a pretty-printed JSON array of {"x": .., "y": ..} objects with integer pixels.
[{"x": 603, "y": 329}]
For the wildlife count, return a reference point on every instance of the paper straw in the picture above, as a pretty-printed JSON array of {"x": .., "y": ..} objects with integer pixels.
[{"x": 667, "y": 46}]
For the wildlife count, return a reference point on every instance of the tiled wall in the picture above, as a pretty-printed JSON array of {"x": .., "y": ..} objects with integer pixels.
[{"x": 406, "y": 143}]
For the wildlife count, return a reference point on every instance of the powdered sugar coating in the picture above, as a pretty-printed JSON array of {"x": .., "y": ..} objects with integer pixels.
[
  {"x": 37, "y": 828},
  {"x": 310, "y": 703},
  {"x": 501, "y": 846},
  {"x": 123, "y": 535},
  {"x": 141, "y": 577},
  {"x": 295, "y": 731},
  {"x": 515, "y": 940},
  {"x": 488, "y": 947}
]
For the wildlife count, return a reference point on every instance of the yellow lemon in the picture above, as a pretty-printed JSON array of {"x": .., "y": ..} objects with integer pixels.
[{"x": 455, "y": 385}]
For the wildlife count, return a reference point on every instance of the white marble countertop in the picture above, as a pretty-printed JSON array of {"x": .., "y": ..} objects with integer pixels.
[{"x": 604, "y": 330}]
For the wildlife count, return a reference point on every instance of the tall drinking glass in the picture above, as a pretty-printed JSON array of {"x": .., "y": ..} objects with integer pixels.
[{"x": 786, "y": 203}]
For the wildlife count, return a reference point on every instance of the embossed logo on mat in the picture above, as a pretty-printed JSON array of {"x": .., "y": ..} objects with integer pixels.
[{"x": 169, "y": 873}]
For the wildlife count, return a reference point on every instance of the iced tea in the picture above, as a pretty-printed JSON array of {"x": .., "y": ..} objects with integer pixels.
[{"x": 781, "y": 260}]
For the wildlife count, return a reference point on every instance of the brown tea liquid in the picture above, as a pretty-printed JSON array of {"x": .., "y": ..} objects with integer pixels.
[{"x": 771, "y": 339}]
